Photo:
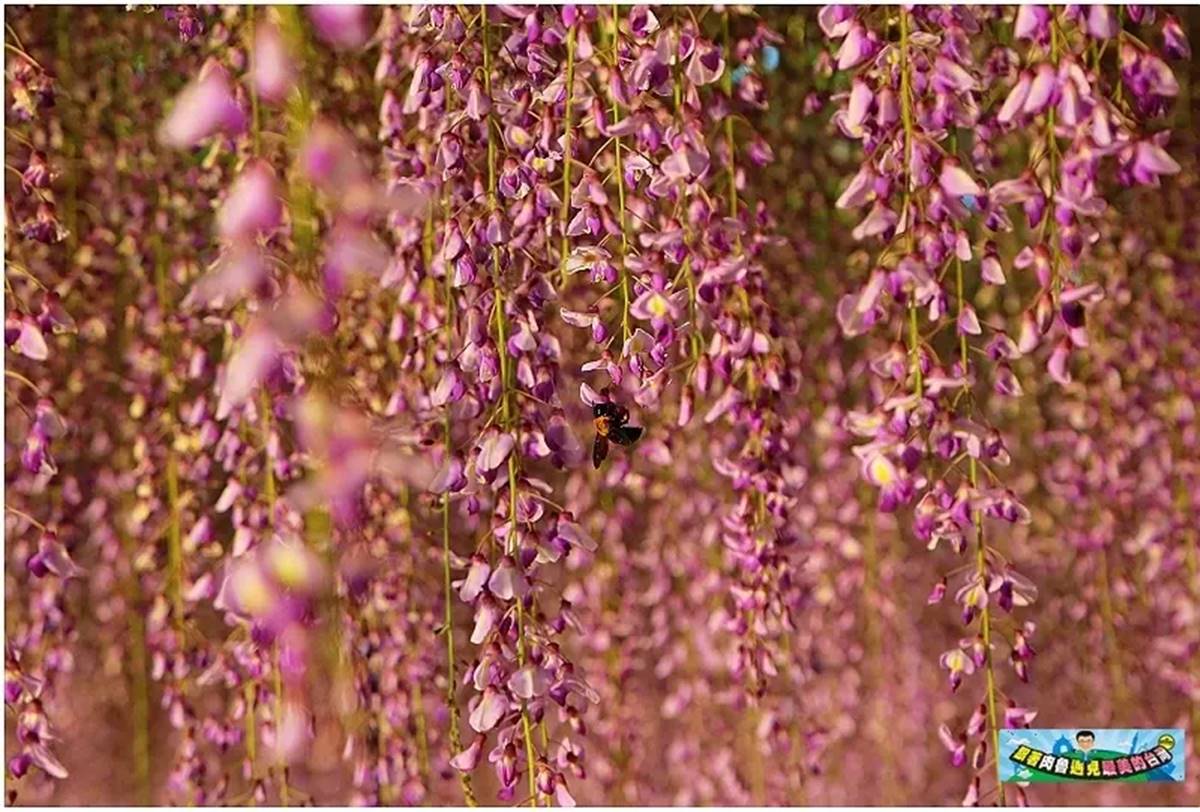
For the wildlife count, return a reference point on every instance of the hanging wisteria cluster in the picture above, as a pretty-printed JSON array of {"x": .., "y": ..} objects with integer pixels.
[{"x": 544, "y": 405}]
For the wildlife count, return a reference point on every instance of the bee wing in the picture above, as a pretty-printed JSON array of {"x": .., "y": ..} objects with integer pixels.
[
  {"x": 599, "y": 450},
  {"x": 625, "y": 435}
]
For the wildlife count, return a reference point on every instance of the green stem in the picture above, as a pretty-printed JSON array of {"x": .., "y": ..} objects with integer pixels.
[
  {"x": 464, "y": 779},
  {"x": 174, "y": 530},
  {"x": 626, "y": 330},
  {"x": 985, "y": 624},
  {"x": 70, "y": 132},
  {"x": 448, "y": 628},
  {"x": 26, "y": 517},
  {"x": 1049, "y": 224},
  {"x": 1116, "y": 671},
  {"x": 727, "y": 84},
  {"x": 280, "y": 763},
  {"x": 506, "y": 396},
  {"x": 418, "y": 702},
  {"x": 564, "y": 213},
  {"x": 250, "y": 693},
  {"x": 985, "y": 618},
  {"x": 138, "y": 672},
  {"x": 696, "y": 342},
  {"x": 906, "y": 114},
  {"x": 255, "y": 120}
]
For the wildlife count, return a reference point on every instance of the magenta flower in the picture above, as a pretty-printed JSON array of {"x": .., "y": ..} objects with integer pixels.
[
  {"x": 25, "y": 337},
  {"x": 252, "y": 206},
  {"x": 490, "y": 708},
  {"x": 342, "y": 27},
  {"x": 706, "y": 64},
  {"x": 205, "y": 107},
  {"x": 52, "y": 557},
  {"x": 1032, "y": 23},
  {"x": 466, "y": 760},
  {"x": 255, "y": 356},
  {"x": 38, "y": 174},
  {"x": 507, "y": 580},
  {"x": 273, "y": 71},
  {"x": 857, "y": 47},
  {"x": 494, "y": 450}
]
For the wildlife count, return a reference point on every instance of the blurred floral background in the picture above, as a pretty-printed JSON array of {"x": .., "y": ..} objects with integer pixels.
[{"x": 311, "y": 320}]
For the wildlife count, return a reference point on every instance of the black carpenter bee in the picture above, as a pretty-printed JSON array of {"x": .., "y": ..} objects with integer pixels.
[{"x": 610, "y": 419}]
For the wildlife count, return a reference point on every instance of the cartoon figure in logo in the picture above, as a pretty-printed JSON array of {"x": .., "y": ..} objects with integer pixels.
[
  {"x": 1113, "y": 765},
  {"x": 1085, "y": 748}
]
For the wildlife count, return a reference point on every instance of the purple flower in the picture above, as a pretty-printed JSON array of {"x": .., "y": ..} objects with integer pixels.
[
  {"x": 1032, "y": 23},
  {"x": 642, "y": 22},
  {"x": 835, "y": 20},
  {"x": 343, "y": 27},
  {"x": 467, "y": 760},
  {"x": 1058, "y": 366},
  {"x": 858, "y": 46},
  {"x": 450, "y": 477},
  {"x": 251, "y": 361},
  {"x": 528, "y": 683},
  {"x": 955, "y": 180},
  {"x": 24, "y": 337},
  {"x": 45, "y": 227},
  {"x": 857, "y": 314},
  {"x": 1014, "y": 102},
  {"x": 41, "y": 756},
  {"x": 508, "y": 581},
  {"x": 1043, "y": 90},
  {"x": 1102, "y": 22},
  {"x": 968, "y": 322},
  {"x": 1175, "y": 41},
  {"x": 252, "y": 206},
  {"x": 272, "y": 72},
  {"x": 957, "y": 664},
  {"x": 476, "y": 580},
  {"x": 450, "y": 389},
  {"x": 38, "y": 174},
  {"x": 488, "y": 711},
  {"x": 706, "y": 64},
  {"x": 1150, "y": 161},
  {"x": 956, "y": 745},
  {"x": 205, "y": 107},
  {"x": 52, "y": 557}
]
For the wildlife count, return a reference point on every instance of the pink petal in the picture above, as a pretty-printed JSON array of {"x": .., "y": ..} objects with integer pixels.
[
  {"x": 477, "y": 577},
  {"x": 342, "y": 27},
  {"x": 494, "y": 451},
  {"x": 469, "y": 758},
  {"x": 203, "y": 108},
  {"x": 508, "y": 581},
  {"x": 273, "y": 74},
  {"x": 956, "y": 182},
  {"x": 486, "y": 615},
  {"x": 43, "y": 758},
  {"x": 528, "y": 682},
  {"x": 250, "y": 363},
  {"x": 488, "y": 712},
  {"x": 31, "y": 343},
  {"x": 252, "y": 205}
]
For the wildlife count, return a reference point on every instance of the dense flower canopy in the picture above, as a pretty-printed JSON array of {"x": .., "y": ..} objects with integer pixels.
[{"x": 545, "y": 405}]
